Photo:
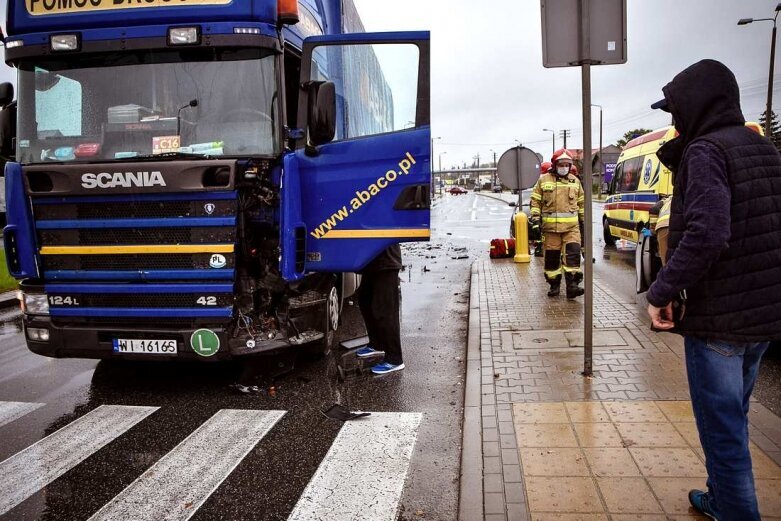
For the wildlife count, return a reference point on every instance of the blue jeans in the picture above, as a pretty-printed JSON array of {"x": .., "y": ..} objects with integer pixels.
[{"x": 721, "y": 378}]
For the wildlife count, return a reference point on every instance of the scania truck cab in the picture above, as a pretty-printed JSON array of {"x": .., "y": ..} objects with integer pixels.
[{"x": 202, "y": 179}]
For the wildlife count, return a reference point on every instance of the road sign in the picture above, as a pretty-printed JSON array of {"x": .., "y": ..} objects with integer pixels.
[
  {"x": 562, "y": 29},
  {"x": 518, "y": 168}
]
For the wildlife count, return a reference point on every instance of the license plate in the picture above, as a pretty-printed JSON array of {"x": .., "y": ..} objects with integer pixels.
[{"x": 149, "y": 347}]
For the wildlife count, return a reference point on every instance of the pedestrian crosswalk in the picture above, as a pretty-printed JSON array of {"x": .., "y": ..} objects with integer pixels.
[{"x": 361, "y": 477}]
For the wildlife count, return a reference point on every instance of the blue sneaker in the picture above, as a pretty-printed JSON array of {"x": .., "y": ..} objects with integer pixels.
[
  {"x": 701, "y": 501},
  {"x": 368, "y": 351},
  {"x": 385, "y": 368}
]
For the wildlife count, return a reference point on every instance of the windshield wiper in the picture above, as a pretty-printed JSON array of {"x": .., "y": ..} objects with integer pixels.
[{"x": 166, "y": 155}]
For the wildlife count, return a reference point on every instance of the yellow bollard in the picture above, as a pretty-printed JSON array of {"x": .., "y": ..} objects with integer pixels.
[{"x": 521, "y": 238}]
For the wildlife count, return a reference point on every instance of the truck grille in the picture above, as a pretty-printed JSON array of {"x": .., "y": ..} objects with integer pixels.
[
  {"x": 134, "y": 209},
  {"x": 119, "y": 236},
  {"x": 87, "y": 240}
]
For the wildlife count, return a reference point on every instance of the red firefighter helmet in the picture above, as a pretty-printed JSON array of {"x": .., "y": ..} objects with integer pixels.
[
  {"x": 545, "y": 167},
  {"x": 561, "y": 154}
]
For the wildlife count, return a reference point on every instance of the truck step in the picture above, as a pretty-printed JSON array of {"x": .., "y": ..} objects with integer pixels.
[
  {"x": 310, "y": 335},
  {"x": 308, "y": 299}
]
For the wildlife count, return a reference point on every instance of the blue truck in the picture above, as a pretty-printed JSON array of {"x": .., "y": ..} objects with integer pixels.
[{"x": 203, "y": 179}]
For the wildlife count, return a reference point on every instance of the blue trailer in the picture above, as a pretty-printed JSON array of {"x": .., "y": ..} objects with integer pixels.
[{"x": 202, "y": 179}]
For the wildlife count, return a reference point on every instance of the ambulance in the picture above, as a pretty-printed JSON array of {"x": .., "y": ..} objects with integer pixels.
[{"x": 639, "y": 182}]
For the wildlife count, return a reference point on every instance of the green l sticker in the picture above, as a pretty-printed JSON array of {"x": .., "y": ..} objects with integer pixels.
[{"x": 205, "y": 342}]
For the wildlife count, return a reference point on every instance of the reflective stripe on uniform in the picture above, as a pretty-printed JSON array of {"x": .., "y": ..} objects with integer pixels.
[
  {"x": 548, "y": 186},
  {"x": 567, "y": 269},
  {"x": 536, "y": 196},
  {"x": 553, "y": 273}
]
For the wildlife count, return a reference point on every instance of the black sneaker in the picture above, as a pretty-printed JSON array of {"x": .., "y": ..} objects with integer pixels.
[{"x": 701, "y": 501}]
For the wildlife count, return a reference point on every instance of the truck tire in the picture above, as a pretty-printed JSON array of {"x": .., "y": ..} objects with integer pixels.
[
  {"x": 331, "y": 313},
  {"x": 609, "y": 239}
]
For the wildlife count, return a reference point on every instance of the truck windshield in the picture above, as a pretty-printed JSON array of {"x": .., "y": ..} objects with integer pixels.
[{"x": 211, "y": 102}]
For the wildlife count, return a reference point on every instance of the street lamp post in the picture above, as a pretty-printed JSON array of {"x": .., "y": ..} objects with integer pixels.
[
  {"x": 601, "y": 163},
  {"x": 553, "y": 136},
  {"x": 769, "y": 109},
  {"x": 432, "y": 163},
  {"x": 440, "y": 171}
]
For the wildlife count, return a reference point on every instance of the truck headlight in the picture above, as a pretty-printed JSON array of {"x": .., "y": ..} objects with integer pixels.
[
  {"x": 35, "y": 304},
  {"x": 38, "y": 334}
]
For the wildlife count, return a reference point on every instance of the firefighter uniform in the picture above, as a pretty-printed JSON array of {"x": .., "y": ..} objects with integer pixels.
[{"x": 557, "y": 203}]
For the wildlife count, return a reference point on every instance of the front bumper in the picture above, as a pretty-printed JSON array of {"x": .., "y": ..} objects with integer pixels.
[{"x": 92, "y": 340}]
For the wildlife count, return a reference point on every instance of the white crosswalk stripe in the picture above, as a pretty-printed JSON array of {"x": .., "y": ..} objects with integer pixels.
[
  {"x": 33, "y": 468},
  {"x": 10, "y": 411},
  {"x": 177, "y": 485},
  {"x": 362, "y": 476}
]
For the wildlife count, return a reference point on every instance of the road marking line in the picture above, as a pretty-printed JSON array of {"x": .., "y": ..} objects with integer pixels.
[
  {"x": 363, "y": 474},
  {"x": 10, "y": 411},
  {"x": 33, "y": 468},
  {"x": 177, "y": 485}
]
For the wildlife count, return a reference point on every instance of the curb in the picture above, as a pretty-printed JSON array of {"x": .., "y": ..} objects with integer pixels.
[
  {"x": 8, "y": 299},
  {"x": 470, "y": 499}
]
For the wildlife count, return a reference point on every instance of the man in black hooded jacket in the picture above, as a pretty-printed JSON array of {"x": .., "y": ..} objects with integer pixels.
[{"x": 721, "y": 286}]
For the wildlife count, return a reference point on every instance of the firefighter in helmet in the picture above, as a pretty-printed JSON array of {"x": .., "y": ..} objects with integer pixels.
[{"x": 557, "y": 206}]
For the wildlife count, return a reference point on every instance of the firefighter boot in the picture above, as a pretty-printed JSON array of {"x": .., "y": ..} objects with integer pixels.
[
  {"x": 573, "y": 290},
  {"x": 555, "y": 287}
]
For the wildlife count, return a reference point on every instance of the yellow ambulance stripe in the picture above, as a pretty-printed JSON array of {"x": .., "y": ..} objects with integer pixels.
[
  {"x": 411, "y": 233},
  {"x": 120, "y": 250}
]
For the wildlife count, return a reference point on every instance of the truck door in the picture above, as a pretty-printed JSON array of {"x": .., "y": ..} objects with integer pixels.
[{"x": 349, "y": 194}]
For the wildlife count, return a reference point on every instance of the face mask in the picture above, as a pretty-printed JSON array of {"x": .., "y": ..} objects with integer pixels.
[{"x": 562, "y": 170}]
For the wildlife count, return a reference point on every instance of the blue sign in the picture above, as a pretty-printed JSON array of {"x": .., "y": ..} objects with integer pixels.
[
  {"x": 647, "y": 171},
  {"x": 610, "y": 169}
]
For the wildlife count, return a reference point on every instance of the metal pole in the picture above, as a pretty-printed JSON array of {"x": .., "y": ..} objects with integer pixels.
[
  {"x": 601, "y": 159},
  {"x": 588, "y": 180},
  {"x": 769, "y": 111},
  {"x": 518, "y": 170}
]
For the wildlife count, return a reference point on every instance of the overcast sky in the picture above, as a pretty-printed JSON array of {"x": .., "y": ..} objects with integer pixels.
[{"x": 489, "y": 87}]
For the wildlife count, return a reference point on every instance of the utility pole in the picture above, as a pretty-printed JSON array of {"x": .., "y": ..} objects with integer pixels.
[{"x": 564, "y": 134}]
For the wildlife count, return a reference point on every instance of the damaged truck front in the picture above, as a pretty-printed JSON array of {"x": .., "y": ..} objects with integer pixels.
[{"x": 203, "y": 179}]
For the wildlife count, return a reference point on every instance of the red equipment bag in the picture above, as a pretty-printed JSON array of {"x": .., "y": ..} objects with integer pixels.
[{"x": 502, "y": 248}]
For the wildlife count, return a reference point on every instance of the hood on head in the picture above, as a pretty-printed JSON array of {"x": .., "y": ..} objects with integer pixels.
[{"x": 703, "y": 98}]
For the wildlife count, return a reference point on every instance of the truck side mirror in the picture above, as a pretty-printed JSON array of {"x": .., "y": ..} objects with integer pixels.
[
  {"x": 6, "y": 93},
  {"x": 322, "y": 112},
  {"x": 8, "y": 131}
]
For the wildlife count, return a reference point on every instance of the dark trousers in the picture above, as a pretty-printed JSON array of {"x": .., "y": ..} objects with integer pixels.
[{"x": 379, "y": 301}]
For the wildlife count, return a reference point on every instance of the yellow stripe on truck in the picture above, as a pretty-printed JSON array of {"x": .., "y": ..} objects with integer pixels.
[
  {"x": 412, "y": 233},
  {"x": 120, "y": 250}
]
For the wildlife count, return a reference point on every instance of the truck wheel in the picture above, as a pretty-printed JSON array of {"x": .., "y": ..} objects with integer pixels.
[
  {"x": 609, "y": 239},
  {"x": 333, "y": 307}
]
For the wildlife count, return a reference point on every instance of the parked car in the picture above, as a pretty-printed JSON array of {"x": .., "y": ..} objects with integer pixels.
[{"x": 456, "y": 190}]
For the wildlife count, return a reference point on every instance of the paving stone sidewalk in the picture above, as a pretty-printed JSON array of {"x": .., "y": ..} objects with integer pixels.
[{"x": 543, "y": 442}]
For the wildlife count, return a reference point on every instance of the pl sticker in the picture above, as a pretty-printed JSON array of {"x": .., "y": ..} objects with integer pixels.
[
  {"x": 209, "y": 208},
  {"x": 217, "y": 261}
]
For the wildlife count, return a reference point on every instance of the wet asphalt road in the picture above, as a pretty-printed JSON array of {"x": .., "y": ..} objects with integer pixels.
[{"x": 269, "y": 481}]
